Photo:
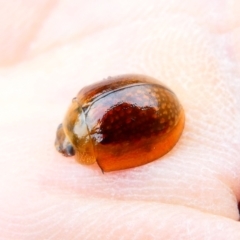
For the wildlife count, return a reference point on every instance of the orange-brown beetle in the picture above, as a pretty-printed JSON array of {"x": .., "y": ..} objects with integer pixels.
[{"x": 121, "y": 122}]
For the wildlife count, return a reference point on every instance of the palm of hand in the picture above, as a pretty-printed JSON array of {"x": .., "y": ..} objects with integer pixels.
[{"x": 192, "y": 193}]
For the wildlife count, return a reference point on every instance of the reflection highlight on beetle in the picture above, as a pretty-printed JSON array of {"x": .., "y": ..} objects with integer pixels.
[{"x": 121, "y": 122}]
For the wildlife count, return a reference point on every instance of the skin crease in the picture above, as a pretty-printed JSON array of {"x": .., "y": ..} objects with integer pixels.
[{"x": 50, "y": 50}]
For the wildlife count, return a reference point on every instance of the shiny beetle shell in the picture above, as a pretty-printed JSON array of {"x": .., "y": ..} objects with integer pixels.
[{"x": 121, "y": 122}]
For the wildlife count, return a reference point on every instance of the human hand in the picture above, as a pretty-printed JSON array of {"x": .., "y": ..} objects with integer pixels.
[{"x": 50, "y": 50}]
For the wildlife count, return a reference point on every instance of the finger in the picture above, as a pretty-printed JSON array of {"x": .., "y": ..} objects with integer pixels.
[
  {"x": 61, "y": 217},
  {"x": 20, "y": 23}
]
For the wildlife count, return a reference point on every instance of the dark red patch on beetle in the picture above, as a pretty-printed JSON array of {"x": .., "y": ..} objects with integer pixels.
[
  {"x": 130, "y": 123},
  {"x": 133, "y": 113}
]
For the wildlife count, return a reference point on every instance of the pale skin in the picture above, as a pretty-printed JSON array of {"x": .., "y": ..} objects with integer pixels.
[{"x": 50, "y": 50}]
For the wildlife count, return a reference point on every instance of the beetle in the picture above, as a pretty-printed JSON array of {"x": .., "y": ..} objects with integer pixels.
[{"x": 121, "y": 122}]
